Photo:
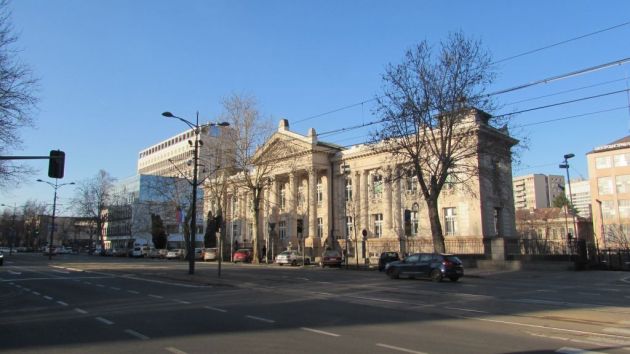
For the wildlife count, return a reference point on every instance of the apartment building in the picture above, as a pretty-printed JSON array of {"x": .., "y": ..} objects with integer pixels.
[
  {"x": 536, "y": 191},
  {"x": 609, "y": 172},
  {"x": 581, "y": 197},
  {"x": 324, "y": 195}
]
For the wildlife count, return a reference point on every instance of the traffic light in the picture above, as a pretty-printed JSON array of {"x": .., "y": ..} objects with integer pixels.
[{"x": 56, "y": 163}]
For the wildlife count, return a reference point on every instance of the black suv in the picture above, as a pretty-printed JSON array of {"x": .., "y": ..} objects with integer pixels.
[
  {"x": 436, "y": 266},
  {"x": 387, "y": 257}
]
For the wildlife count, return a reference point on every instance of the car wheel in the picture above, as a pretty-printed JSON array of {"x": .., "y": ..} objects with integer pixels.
[
  {"x": 436, "y": 275},
  {"x": 393, "y": 273},
  {"x": 294, "y": 263},
  {"x": 280, "y": 264},
  {"x": 307, "y": 261},
  {"x": 454, "y": 279}
]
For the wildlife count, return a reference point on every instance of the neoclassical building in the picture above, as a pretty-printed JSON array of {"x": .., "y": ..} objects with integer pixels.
[{"x": 323, "y": 195}]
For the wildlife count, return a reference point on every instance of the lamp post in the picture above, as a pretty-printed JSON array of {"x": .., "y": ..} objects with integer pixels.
[
  {"x": 55, "y": 186},
  {"x": 565, "y": 165},
  {"x": 193, "y": 219}
]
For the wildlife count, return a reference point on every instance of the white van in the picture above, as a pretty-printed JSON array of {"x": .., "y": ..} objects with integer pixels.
[{"x": 140, "y": 251}]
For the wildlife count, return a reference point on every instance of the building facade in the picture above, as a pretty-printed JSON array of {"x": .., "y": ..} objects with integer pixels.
[
  {"x": 581, "y": 197},
  {"x": 536, "y": 190},
  {"x": 609, "y": 173},
  {"x": 322, "y": 195}
]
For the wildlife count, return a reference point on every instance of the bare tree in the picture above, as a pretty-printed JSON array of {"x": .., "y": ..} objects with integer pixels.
[
  {"x": 92, "y": 198},
  {"x": 17, "y": 97},
  {"x": 426, "y": 103}
]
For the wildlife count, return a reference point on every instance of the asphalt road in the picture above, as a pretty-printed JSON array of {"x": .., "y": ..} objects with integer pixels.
[{"x": 83, "y": 304}]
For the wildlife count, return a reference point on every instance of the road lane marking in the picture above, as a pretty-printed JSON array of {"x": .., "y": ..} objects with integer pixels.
[
  {"x": 100, "y": 285},
  {"x": 47, "y": 297},
  {"x": 14, "y": 273},
  {"x": 215, "y": 309},
  {"x": 398, "y": 348},
  {"x": 320, "y": 332},
  {"x": 62, "y": 303},
  {"x": 61, "y": 271},
  {"x": 568, "y": 350},
  {"x": 375, "y": 299},
  {"x": 467, "y": 310},
  {"x": 80, "y": 311},
  {"x": 104, "y": 320},
  {"x": 588, "y": 294},
  {"x": 175, "y": 350},
  {"x": 260, "y": 319},
  {"x": 136, "y": 334},
  {"x": 156, "y": 296},
  {"x": 18, "y": 285},
  {"x": 133, "y": 292},
  {"x": 114, "y": 288},
  {"x": 35, "y": 293},
  {"x": 27, "y": 289},
  {"x": 75, "y": 269},
  {"x": 87, "y": 283},
  {"x": 181, "y": 302}
]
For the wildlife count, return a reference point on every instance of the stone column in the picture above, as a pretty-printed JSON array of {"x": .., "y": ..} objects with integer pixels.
[
  {"x": 364, "y": 209},
  {"x": 397, "y": 205},
  {"x": 312, "y": 203},
  {"x": 292, "y": 203},
  {"x": 387, "y": 202}
]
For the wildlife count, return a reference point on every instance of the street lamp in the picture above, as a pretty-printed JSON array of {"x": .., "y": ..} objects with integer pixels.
[
  {"x": 565, "y": 165},
  {"x": 55, "y": 186},
  {"x": 193, "y": 220}
]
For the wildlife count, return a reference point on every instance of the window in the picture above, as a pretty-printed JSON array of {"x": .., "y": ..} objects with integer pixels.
[
  {"x": 624, "y": 209},
  {"x": 378, "y": 225},
  {"x": 449, "y": 221},
  {"x": 236, "y": 230},
  {"x": 320, "y": 227},
  {"x": 282, "y": 196},
  {"x": 348, "y": 189},
  {"x": 608, "y": 209},
  {"x": 414, "y": 223},
  {"x": 282, "y": 229},
  {"x": 320, "y": 192},
  {"x": 621, "y": 160},
  {"x": 622, "y": 183},
  {"x": 604, "y": 185},
  {"x": 411, "y": 184},
  {"x": 349, "y": 225},
  {"x": 377, "y": 185},
  {"x": 301, "y": 196},
  {"x": 250, "y": 231},
  {"x": 603, "y": 162}
]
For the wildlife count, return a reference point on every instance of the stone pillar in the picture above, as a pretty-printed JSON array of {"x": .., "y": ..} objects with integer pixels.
[
  {"x": 312, "y": 203},
  {"x": 364, "y": 209},
  {"x": 292, "y": 204},
  {"x": 387, "y": 203},
  {"x": 397, "y": 205}
]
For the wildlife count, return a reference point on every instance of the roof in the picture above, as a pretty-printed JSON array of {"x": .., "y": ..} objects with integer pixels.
[{"x": 622, "y": 143}]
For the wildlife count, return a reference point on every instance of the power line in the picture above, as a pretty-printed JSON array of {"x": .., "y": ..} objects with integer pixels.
[
  {"x": 566, "y": 91},
  {"x": 573, "y": 116},
  {"x": 560, "y": 43}
]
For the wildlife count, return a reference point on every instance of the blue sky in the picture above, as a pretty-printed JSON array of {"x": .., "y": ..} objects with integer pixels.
[{"x": 108, "y": 69}]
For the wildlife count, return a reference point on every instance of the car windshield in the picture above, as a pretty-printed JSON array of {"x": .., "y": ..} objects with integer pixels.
[
  {"x": 285, "y": 253},
  {"x": 331, "y": 254},
  {"x": 453, "y": 259}
]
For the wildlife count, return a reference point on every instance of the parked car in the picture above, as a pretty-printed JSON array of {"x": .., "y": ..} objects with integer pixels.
[
  {"x": 385, "y": 258},
  {"x": 210, "y": 254},
  {"x": 243, "y": 255},
  {"x": 331, "y": 258},
  {"x": 292, "y": 257},
  {"x": 50, "y": 251},
  {"x": 120, "y": 252},
  {"x": 157, "y": 253},
  {"x": 175, "y": 254},
  {"x": 436, "y": 266},
  {"x": 140, "y": 251}
]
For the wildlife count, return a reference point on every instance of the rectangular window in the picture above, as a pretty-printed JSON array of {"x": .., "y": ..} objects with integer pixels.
[
  {"x": 301, "y": 196},
  {"x": 450, "y": 221},
  {"x": 320, "y": 227},
  {"x": 622, "y": 183},
  {"x": 377, "y": 185},
  {"x": 349, "y": 226},
  {"x": 236, "y": 231},
  {"x": 378, "y": 225},
  {"x": 624, "y": 209},
  {"x": 412, "y": 184},
  {"x": 414, "y": 223},
  {"x": 621, "y": 160},
  {"x": 604, "y": 185},
  {"x": 282, "y": 229},
  {"x": 603, "y": 162},
  {"x": 320, "y": 192},
  {"x": 608, "y": 209},
  {"x": 282, "y": 196},
  {"x": 348, "y": 189}
]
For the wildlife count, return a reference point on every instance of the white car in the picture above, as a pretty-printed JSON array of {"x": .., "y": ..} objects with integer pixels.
[
  {"x": 292, "y": 257},
  {"x": 175, "y": 254},
  {"x": 210, "y": 254}
]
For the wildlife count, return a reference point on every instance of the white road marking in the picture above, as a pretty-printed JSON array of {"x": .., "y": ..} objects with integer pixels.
[
  {"x": 175, "y": 350},
  {"x": 215, "y": 309},
  {"x": 18, "y": 285},
  {"x": 320, "y": 332},
  {"x": 260, "y": 319},
  {"x": 114, "y": 288},
  {"x": 80, "y": 311},
  {"x": 87, "y": 283},
  {"x": 467, "y": 310},
  {"x": 133, "y": 292},
  {"x": 567, "y": 350},
  {"x": 181, "y": 302},
  {"x": 47, "y": 297},
  {"x": 156, "y": 296},
  {"x": 14, "y": 273},
  {"x": 27, "y": 289},
  {"x": 625, "y": 331},
  {"x": 100, "y": 285},
  {"x": 588, "y": 294},
  {"x": 610, "y": 289},
  {"x": 136, "y": 334},
  {"x": 62, "y": 303},
  {"x": 35, "y": 293},
  {"x": 61, "y": 271},
  {"x": 104, "y": 320},
  {"x": 398, "y": 348}
]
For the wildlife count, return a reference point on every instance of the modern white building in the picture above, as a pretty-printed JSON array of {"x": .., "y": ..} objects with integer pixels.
[
  {"x": 536, "y": 190},
  {"x": 581, "y": 197}
]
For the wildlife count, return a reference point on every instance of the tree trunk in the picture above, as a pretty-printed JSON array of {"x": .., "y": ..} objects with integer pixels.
[
  {"x": 256, "y": 226},
  {"x": 436, "y": 226}
]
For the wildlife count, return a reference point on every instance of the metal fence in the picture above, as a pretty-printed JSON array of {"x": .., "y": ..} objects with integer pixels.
[
  {"x": 614, "y": 259},
  {"x": 519, "y": 247}
]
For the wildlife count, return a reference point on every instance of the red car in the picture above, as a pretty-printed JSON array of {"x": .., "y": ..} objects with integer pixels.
[{"x": 243, "y": 255}]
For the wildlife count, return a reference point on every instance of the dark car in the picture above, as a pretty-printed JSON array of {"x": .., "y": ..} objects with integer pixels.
[
  {"x": 387, "y": 257},
  {"x": 436, "y": 266},
  {"x": 243, "y": 255},
  {"x": 331, "y": 258}
]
